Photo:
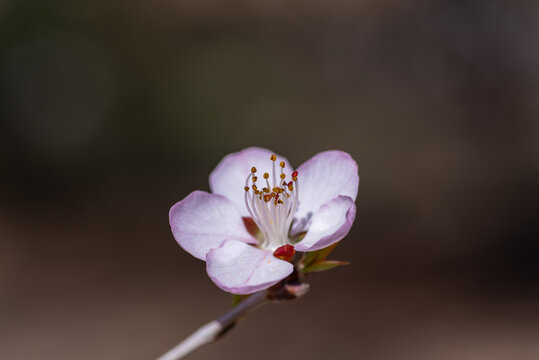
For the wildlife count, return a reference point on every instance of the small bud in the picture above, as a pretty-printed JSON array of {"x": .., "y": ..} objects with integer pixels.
[
  {"x": 297, "y": 290},
  {"x": 285, "y": 252}
]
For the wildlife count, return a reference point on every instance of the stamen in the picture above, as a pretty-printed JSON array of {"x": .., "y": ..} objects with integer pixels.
[{"x": 272, "y": 212}]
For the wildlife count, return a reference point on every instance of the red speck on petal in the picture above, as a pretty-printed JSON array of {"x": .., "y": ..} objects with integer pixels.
[{"x": 285, "y": 252}]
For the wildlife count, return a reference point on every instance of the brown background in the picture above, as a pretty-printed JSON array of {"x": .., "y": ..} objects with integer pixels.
[{"x": 111, "y": 111}]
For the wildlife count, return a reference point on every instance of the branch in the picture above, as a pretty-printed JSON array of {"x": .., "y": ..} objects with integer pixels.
[{"x": 214, "y": 329}]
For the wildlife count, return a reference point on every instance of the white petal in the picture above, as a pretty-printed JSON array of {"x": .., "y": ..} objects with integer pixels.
[
  {"x": 329, "y": 224},
  {"x": 242, "y": 269},
  {"x": 322, "y": 178},
  {"x": 202, "y": 221},
  {"x": 228, "y": 178}
]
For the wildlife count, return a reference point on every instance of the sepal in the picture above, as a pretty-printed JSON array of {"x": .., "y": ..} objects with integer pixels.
[
  {"x": 315, "y": 261},
  {"x": 323, "y": 266}
]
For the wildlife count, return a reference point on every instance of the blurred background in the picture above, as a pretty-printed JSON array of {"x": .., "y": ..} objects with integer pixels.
[{"x": 112, "y": 111}]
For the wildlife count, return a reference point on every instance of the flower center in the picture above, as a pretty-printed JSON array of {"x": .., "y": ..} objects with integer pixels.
[{"x": 272, "y": 207}]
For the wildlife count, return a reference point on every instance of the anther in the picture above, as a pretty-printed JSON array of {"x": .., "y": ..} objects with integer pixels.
[
  {"x": 266, "y": 175},
  {"x": 255, "y": 178},
  {"x": 253, "y": 169},
  {"x": 295, "y": 175},
  {"x": 273, "y": 157},
  {"x": 246, "y": 188},
  {"x": 281, "y": 164},
  {"x": 282, "y": 176}
]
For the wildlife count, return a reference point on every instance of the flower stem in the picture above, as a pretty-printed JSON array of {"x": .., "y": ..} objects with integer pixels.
[{"x": 213, "y": 330}]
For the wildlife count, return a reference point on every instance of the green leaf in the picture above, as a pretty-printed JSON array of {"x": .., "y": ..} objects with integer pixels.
[
  {"x": 323, "y": 266},
  {"x": 316, "y": 256}
]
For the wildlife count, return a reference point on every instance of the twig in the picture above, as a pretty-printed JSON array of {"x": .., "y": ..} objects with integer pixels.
[{"x": 214, "y": 329}]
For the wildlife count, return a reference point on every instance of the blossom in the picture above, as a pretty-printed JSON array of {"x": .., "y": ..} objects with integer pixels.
[{"x": 313, "y": 204}]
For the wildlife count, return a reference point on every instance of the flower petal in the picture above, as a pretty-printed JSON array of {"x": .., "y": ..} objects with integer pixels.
[
  {"x": 202, "y": 221},
  {"x": 242, "y": 269},
  {"x": 228, "y": 178},
  {"x": 329, "y": 224},
  {"x": 322, "y": 178}
]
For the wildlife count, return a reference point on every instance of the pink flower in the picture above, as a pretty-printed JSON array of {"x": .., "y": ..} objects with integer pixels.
[{"x": 317, "y": 199}]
